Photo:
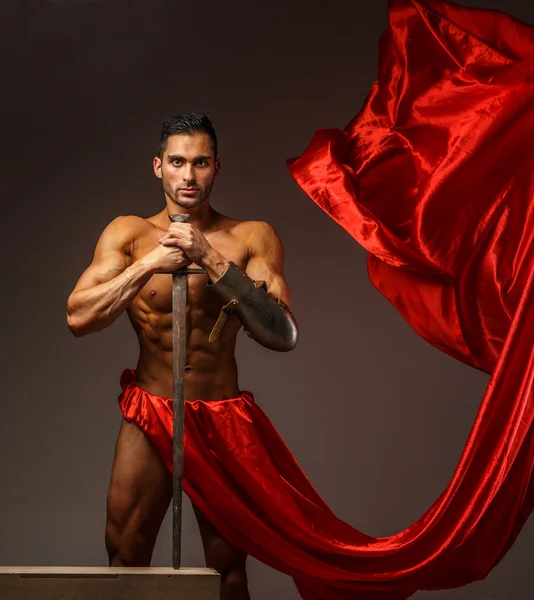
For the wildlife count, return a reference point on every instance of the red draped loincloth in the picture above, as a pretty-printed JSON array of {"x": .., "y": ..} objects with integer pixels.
[{"x": 241, "y": 475}]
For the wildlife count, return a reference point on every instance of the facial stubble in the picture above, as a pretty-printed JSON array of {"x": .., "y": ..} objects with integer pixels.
[{"x": 174, "y": 195}]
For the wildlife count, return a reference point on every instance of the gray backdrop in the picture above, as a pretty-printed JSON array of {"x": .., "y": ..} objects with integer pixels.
[{"x": 376, "y": 417}]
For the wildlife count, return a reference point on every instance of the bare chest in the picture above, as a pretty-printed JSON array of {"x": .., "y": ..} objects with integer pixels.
[{"x": 156, "y": 295}]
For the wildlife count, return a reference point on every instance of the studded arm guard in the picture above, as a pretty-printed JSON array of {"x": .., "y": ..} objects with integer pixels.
[{"x": 265, "y": 319}]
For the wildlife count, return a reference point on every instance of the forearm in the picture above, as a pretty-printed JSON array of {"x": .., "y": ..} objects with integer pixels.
[
  {"x": 93, "y": 309},
  {"x": 215, "y": 264},
  {"x": 266, "y": 319}
]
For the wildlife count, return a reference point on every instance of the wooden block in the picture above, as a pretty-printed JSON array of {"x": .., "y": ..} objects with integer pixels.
[{"x": 108, "y": 583}]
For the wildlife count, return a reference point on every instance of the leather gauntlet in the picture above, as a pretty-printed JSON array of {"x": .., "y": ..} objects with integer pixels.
[{"x": 266, "y": 319}]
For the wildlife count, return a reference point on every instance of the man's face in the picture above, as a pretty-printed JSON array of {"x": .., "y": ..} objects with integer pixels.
[{"x": 187, "y": 169}]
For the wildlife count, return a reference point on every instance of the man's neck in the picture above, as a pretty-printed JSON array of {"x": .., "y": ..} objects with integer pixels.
[{"x": 203, "y": 217}]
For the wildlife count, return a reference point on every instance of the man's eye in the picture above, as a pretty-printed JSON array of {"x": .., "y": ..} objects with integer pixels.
[
  {"x": 202, "y": 163},
  {"x": 177, "y": 163}
]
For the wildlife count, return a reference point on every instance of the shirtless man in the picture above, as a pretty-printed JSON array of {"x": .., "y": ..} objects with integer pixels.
[{"x": 130, "y": 272}]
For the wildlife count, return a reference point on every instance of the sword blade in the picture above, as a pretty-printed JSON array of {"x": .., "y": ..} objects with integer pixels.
[{"x": 179, "y": 339}]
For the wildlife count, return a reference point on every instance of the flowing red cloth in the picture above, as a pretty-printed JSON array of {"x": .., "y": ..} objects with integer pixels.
[{"x": 434, "y": 178}]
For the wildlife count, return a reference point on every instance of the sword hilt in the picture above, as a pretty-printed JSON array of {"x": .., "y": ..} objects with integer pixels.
[{"x": 183, "y": 218}]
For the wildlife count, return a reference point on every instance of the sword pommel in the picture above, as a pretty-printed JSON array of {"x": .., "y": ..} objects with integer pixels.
[{"x": 182, "y": 218}]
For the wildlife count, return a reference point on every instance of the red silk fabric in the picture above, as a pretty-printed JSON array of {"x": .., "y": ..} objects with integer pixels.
[{"x": 434, "y": 177}]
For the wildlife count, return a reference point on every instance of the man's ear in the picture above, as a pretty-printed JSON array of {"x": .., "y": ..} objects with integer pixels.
[
  {"x": 157, "y": 167},
  {"x": 217, "y": 166}
]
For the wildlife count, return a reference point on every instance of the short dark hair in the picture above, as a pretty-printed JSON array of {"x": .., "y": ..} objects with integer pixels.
[{"x": 188, "y": 124}]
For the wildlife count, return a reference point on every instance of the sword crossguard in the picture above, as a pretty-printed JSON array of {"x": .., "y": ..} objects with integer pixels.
[{"x": 187, "y": 271}]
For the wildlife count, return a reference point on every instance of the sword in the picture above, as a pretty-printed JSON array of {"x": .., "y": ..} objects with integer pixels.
[{"x": 179, "y": 342}]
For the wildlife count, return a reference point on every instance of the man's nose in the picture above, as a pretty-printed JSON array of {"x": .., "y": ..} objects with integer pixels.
[{"x": 188, "y": 174}]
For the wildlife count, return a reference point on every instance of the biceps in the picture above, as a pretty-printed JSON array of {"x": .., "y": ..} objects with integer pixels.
[
  {"x": 101, "y": 270},
  {"x": 260, "y": 270},
  {"x": 279, "y": 289}
]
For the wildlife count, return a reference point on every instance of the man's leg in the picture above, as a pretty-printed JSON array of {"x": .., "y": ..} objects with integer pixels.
[
  {"x": 224, "y": 558},
  {"x": 139, "y": 494}
]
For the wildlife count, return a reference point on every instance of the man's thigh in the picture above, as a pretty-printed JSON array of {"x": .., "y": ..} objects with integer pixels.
[
  {"x": 219, "y": 554},
  {"x": 139, "y": 494}
]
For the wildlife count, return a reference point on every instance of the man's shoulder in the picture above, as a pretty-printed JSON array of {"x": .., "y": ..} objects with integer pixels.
[
  {"x": 257, "y": 229},
  {"x": 123, "y": 233},
  {"x": 127, "y": 226},
  {"x": 259, "y": 237}
]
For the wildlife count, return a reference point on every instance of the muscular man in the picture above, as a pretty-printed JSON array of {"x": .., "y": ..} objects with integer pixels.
[{"x": 130, "y": 272}]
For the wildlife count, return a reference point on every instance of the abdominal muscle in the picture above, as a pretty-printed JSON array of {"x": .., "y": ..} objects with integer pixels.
[{"x": 210, "y": 367}]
